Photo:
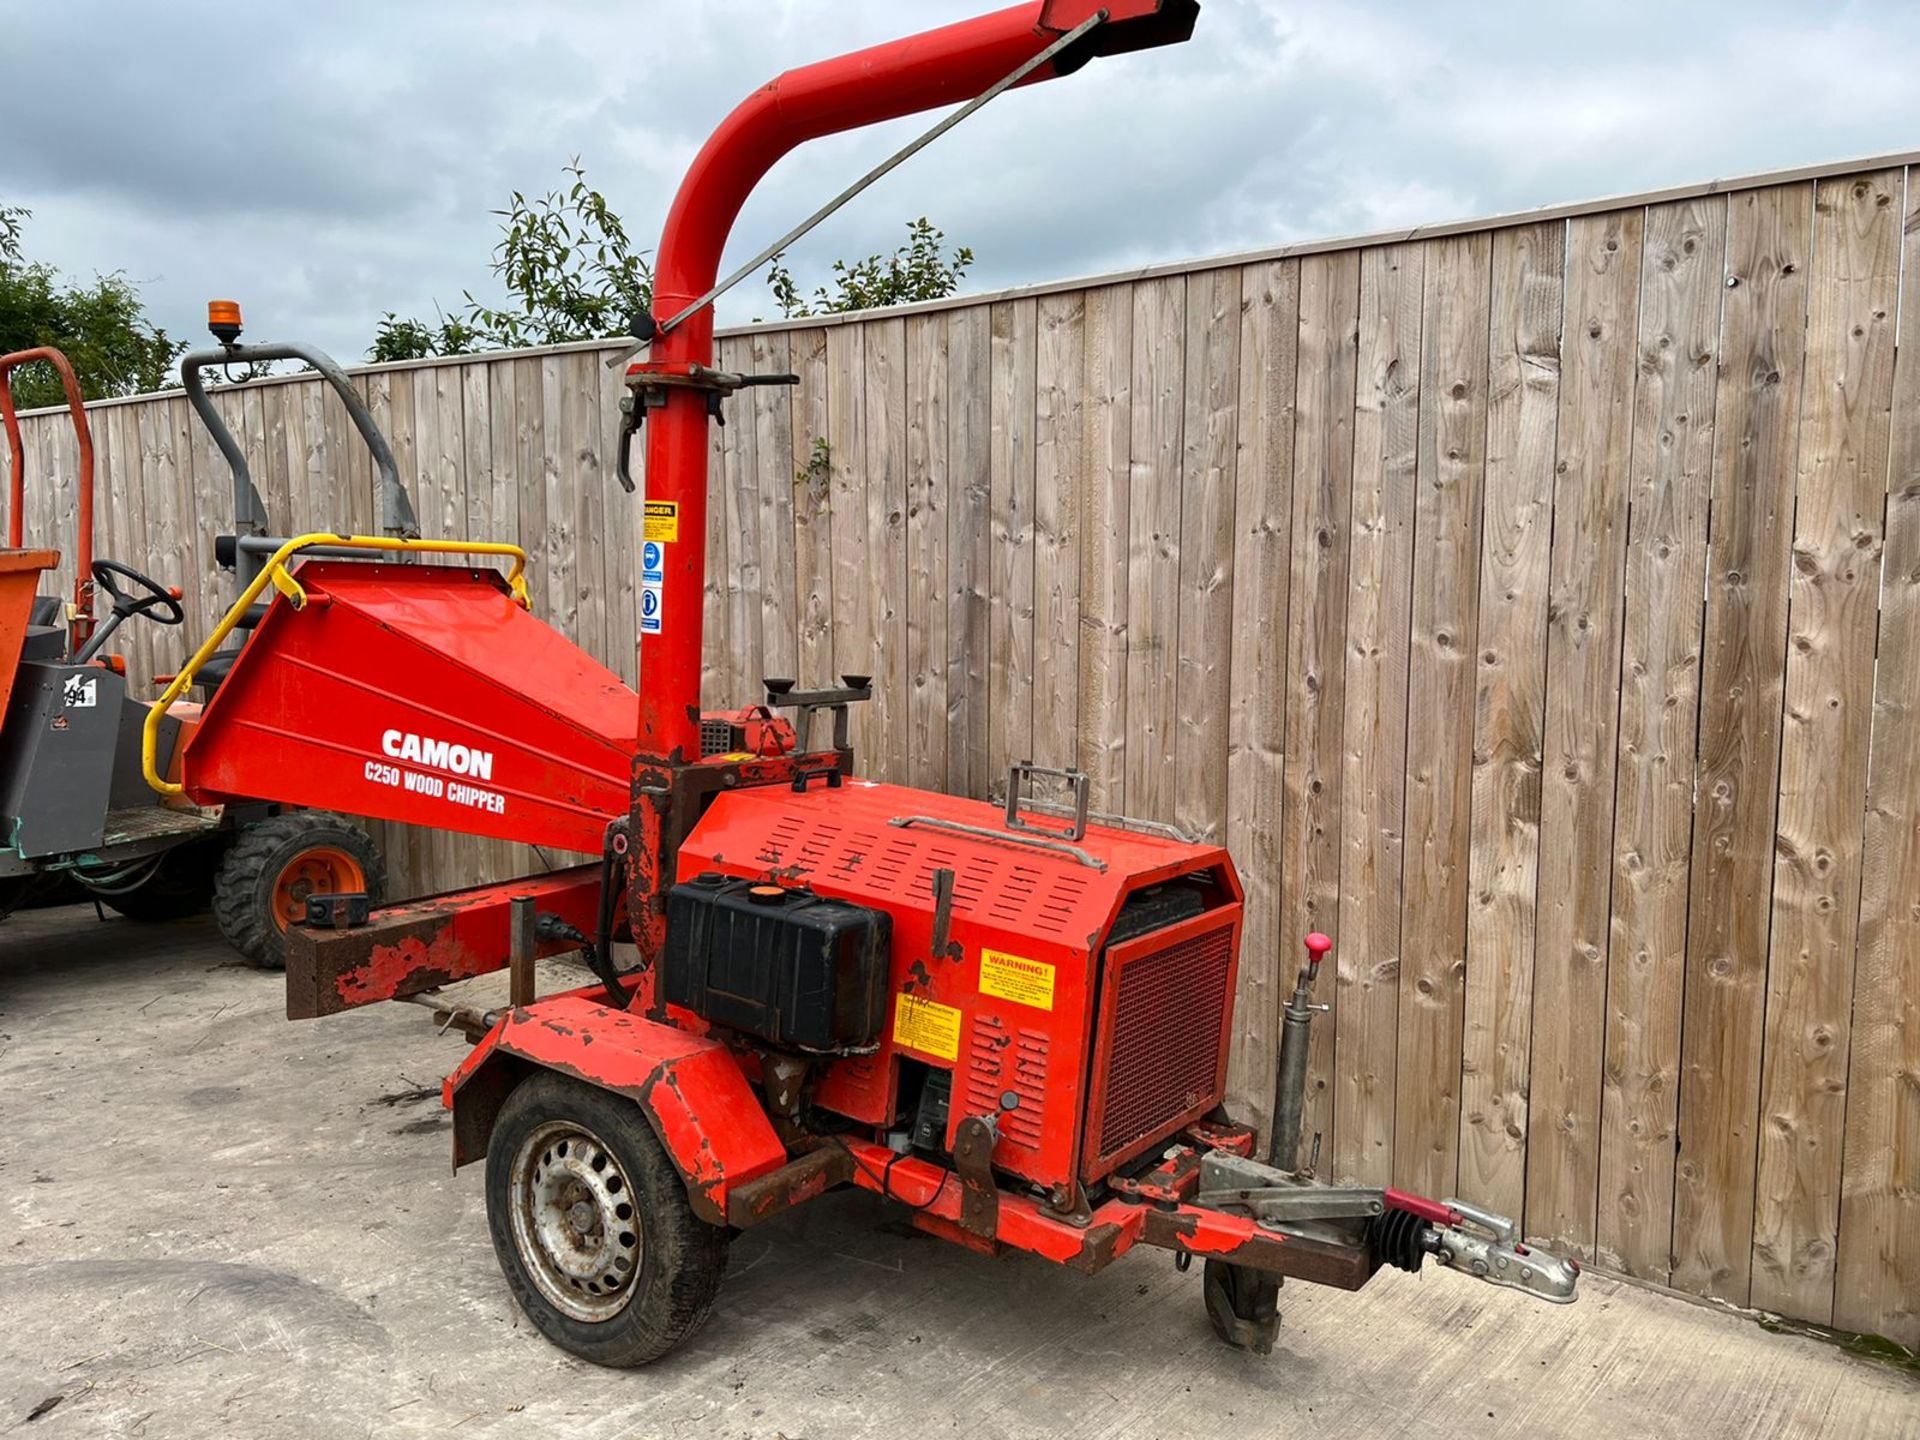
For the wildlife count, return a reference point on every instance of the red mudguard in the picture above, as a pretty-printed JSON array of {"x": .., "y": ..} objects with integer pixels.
[{"x": 690, "y": 1088}]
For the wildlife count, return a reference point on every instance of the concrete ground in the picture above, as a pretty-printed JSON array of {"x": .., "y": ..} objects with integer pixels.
[{"x": 219, "y": 1223}]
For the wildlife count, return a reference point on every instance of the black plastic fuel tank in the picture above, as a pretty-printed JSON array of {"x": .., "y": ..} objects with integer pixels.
[{"x": 793, "y": 968}]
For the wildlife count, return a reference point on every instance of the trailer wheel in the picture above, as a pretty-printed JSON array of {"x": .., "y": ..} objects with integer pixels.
[
  {"x": 275, "y": 864},
  {"x": 591, "y": 1223}
]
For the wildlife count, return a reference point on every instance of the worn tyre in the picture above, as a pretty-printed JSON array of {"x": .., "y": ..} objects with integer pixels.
[
  {"x": 275, "y": 864},
  {"x": 592, "y": 1227}
]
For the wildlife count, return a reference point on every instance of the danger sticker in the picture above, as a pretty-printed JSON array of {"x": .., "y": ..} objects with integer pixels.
[
  {"x": 663, "y": 521},
  {"x": 1016, "y": 978},
  {"x": 926, "y": 1025}
]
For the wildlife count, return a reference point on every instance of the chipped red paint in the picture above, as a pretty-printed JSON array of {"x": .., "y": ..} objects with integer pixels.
[
  {"x": 1223, "y": 1135},
  {"x": 406, "y": 949},
  {"x": 691, "y": 1088},
  {"x": 1208, "y": 1232}
]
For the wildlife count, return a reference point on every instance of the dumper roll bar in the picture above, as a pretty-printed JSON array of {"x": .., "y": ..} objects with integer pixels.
[
  {"x": 249, "y": 511},
  {"x": 80, "y": 621}
]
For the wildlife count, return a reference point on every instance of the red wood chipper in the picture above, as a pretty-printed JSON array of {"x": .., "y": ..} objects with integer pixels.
[{"x": 1011, "y": 1021}]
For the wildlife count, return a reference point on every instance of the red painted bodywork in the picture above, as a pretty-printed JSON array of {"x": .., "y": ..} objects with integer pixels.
[
  {"x": 80, "y": 626},
  {"x": 1018, "y": 900},
  {"x": 427, "y": 650},
  {"x": 20, "y": 572},
  {"x": 692, "y": 1089}
]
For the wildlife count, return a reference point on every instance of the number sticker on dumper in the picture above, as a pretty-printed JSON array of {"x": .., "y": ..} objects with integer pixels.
[{"x": 1016, "y": 978}]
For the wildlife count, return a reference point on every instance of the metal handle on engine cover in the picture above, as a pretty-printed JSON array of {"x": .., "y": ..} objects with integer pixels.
[
  {"x": 1021, "y": 773},
  {"x": 935, "y": 822}
]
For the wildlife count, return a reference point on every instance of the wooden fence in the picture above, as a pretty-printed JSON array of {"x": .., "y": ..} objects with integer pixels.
[{"x": 1533, "y": 605}]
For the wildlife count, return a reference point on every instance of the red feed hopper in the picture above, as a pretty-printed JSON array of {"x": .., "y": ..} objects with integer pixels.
[{"x": 424, "y": 694}]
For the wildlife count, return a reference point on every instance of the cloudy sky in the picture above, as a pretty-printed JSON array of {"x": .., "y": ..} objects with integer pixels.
[{"x": 326, "y": 163}]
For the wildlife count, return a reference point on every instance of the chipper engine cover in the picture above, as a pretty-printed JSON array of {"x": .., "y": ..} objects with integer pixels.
[{"x": 1020, "y": 983}]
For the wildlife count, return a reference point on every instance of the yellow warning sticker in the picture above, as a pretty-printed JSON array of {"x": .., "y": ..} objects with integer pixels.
[
  {"x": 927, "y": 1025},
  {"x": 663, "y": 521},
  {"x": 1016, "y": 978}
]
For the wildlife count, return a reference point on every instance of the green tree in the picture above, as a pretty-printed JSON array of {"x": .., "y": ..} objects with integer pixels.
[
  {"x": 101, "y": 327},
  {"x": 571, "y": 272},
  {"x": 919, "y": 270}
]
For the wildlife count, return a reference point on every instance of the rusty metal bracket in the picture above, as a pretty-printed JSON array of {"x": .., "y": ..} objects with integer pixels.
[{"x": 973, "y": 1142}]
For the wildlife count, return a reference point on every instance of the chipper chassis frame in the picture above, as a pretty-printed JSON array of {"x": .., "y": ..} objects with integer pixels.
[{"x": 1017, "y": 1155}]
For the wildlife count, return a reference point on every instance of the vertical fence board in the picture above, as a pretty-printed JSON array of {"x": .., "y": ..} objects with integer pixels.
[
  {"x": 1153, "y": 548},
  {"x": 1010, "y": 573},
  {"x": 1440, "y": 710},
  {"x": 1590, "y": 501},
  {"x": 1833, "y": 619},
  {"x": 625, "y": 522},
  {"x": 1204, "y": 643},
  {"x": 846, "y": 436},
  {"x": 1523, "y": 403},
  {"x": 927, "y": 491},
  {"x": 746, "y": 565},
  {"x": 1058, "y": 491},
  {"x": 1386, "y": 430},
  {"x": 1256, "y": 734},
  {"x": 771, "y": 416},
  {"x": 1743, "y": 671},
  {"x": 1878, "y": 1277},
  {"x": 1316, "y": 625},
  {"x": 886, "y": 567},
  {"x": 812, "y": 512},
  {"x": 1105, "y": 529},
  {"x": 969, "y": 542},
  {"x": 717, "y": 687},
  {"x": 1672, "y": 466}
]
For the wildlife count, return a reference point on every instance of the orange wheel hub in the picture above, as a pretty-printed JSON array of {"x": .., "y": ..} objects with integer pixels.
[{"x": 322, "y": 870}]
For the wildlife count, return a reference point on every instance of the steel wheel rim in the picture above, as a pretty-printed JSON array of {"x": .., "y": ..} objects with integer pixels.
[
  {"x": 323, "y": 870},
  {"x": 574, "y": 1222}
]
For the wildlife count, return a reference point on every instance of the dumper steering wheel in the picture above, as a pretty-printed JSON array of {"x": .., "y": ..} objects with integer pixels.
[{"x": 161, "y": 602}]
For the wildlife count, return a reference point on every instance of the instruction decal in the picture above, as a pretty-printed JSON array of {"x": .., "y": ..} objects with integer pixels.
[
  {"x": 926, "y": 1025},
  {"x": 653, "y": 572},
  {"x": 663, "y": 521},
  {"x": 1016, "y": 978}
]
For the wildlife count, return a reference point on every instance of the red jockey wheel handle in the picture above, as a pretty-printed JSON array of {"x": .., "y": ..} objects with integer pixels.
[{"x": 1317, "y": 947}]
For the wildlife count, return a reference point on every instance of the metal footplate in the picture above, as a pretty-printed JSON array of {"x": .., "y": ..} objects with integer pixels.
[{"x": 1402, "y": 1228}]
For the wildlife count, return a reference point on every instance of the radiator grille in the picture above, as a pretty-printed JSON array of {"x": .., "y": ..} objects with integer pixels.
[
  {"x": 1164, "y": 1047},
  {"x": 716, "y": 737}
]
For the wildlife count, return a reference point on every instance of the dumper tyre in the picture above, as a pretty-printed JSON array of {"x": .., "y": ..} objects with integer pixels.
[
  {"x": 275, "y": 864},
  {"x": 592, "y": 1227}
]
